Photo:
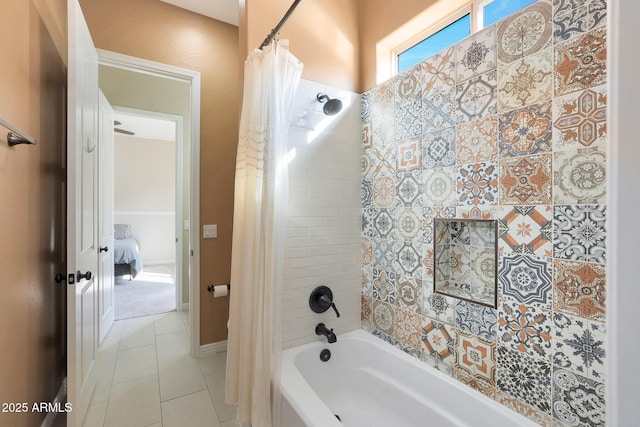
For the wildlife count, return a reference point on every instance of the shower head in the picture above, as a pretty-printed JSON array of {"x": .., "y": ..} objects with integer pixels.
[{"x": 331, "y": 106}]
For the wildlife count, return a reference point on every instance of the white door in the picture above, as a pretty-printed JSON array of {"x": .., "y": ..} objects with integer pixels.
[
  {"x": 82, "y": 230},
  {"x": 106, "y": 302}
]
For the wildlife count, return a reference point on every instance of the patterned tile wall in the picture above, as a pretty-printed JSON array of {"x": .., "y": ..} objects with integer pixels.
[{"x": 509, "y": 124}]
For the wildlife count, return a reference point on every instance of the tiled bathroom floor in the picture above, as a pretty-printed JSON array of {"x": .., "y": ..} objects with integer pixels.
[{"x": 146, "y": 377}]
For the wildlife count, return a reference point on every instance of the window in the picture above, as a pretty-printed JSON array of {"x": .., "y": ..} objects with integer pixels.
[
  {"x": 479, "y": 14},
  {"x": 448, "y": 36}
]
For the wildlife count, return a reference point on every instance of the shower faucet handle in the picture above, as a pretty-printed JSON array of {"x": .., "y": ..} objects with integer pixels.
[{"x": 321, "y": 299}]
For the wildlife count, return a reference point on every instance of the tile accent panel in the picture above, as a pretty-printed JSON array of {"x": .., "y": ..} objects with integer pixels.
[{"x": 508, "y": 124}]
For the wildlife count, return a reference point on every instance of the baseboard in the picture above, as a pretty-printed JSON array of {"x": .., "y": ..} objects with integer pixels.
[
  {"x": 213, "y": 348},
  {"x": 58, "y": 401},
  {"x": 185, "y": 306}
]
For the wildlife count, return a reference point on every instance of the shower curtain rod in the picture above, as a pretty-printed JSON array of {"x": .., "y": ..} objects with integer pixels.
[{"x": 276, "y": 29}]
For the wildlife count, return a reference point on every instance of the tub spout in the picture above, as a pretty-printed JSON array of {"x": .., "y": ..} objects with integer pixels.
[{"x": 321, "y": 329}]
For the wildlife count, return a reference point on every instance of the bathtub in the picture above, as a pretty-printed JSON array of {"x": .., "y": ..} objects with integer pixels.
[{"x": 368, "y": 382}]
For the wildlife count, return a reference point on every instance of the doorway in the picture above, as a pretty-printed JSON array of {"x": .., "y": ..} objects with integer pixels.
[
  {"x": 145, "y": 89},
  {"x": 148, "y": 213}
]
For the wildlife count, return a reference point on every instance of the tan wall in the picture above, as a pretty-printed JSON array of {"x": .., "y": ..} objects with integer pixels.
[
  {"x": 161, "y": 32},
  {"x": 323, "y": 35},
  {"x": 379, "y": 22},
  {"x": 31, "y": 242}
]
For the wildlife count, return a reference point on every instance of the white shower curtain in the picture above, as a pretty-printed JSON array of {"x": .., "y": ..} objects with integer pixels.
[{"x": 271, "y": 77}]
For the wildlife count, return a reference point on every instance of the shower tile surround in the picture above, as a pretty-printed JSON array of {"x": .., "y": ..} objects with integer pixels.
[{"x": 512, "y": 126}]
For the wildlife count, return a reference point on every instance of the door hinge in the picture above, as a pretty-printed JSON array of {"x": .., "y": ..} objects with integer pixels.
[{"x": 191, "y": 252}]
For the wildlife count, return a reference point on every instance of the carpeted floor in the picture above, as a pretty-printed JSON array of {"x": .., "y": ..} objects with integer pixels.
[{"x": 151, "y": 292}]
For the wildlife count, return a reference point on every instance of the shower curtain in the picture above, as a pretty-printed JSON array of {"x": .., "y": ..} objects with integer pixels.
[{"x": 271, "y": 77}]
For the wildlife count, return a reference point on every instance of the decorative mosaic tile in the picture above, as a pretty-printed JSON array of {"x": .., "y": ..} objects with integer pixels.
[
  {"x": 383, "y": 336},
  {"x": 366, "y": 163},
  {"x": 439, "y": 108},
  {"x": 409, "y": 188},
  {"x": 483, "y": 267},
  {"x": 526, "y": 180},
  {"x": 408, "y": 259},
  {"x": 365, "y": 309},
  {"x": 438, "y": 364},
  {"x": 526, "y": 131},
  {"x": 407, "y": 327},
  {"x": 409, "y": 293},
  {"x": 439, "y": 307},
  {"x": 408, "y": 120},
  {"x": 476, "y": 54},
  {"x": 383, "y": 160},
  {"x": 526, "y": 378},
  {"x": 366, "y": 276},
  {"x": 367, "y": 251},
  {"x": 476, "y": 141},
  {"x": 581, "y": 63},
  {"x": 367, "y": 193},
  {"x": 382, "y": 97},
  {"x": 476, "y": 319},
  {"x": 476, "y": 97},
  {"x": 384, "y": 286},
  {"x": 440, "y": 187},
  {"x": 476, "y": 356},
  {"x": 527, "y": 81},
  {"x": 383, "y": 223},
  {"x": 427, "y": 263},
  {"x": 428, "y": 216},
  {"x": 578, "y": 401},
  {"x": 526, "y": 279},
  {"x": 579, "y": 232},
  {"x": 439, "y": 341},
  {"x": 477, "y": 212},
  {"x": 482, "y": 235},
  {"x": 384, "y": 192},
  {"x": 524, "y": 33},
  {"x": 573, "y": 17},
  {"x": 459, "y": 263},
  {"x": 368, "y": 215},
  {"x": 526, "y": 230},
  {"x": 478, "y": 383},
  {"x": 383, "y": 317},
  {"x": 477, "y": 184},
  {"x": 382, "y": 130},
  {"x": 580, "y": 176},
  {"x": 365, "y": 112},
  {"x": 526, "y": 329},
  {"x": 522, "y": 408},
  {"x": 365, "y": 135},
  {"x": 384, "y": 254},
  {"x": 408, "y": 224},
  {"x": 408, "y": 86},
  {"x": 580, "y": 119},
  {"x": 408, "y": 155},
  {"x": 439, "y": 72},
  {"x": 439, "y": 148},
  {"x": 579, "y": 346},
  {"x": 579, "y": 288}
]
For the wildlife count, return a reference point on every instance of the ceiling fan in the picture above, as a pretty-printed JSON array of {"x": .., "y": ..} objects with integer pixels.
[{"x": 123, "y": 131}]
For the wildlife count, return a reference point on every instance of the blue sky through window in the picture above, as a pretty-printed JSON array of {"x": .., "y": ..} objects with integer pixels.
[
  {"x": 444, "y": 38},
  {"x": 498, "y": 9}
]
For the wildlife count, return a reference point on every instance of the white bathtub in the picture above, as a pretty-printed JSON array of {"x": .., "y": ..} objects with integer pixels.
[{"x": 368, "y": 382}]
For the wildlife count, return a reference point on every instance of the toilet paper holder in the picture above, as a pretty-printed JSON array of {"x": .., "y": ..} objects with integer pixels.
[{"x": 211, "y": 288}]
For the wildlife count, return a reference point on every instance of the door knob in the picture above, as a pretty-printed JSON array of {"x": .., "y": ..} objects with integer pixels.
[
  {"x": 86, "y": 275},
  {"x": 104, "y": 249},
  {"x": 60, "y": 278}
]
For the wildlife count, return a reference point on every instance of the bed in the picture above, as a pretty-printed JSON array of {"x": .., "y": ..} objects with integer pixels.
[{"x": 126, "y": 252}]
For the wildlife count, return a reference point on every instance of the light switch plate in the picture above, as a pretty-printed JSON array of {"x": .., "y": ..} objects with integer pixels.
[
  {"x": 210, "y": 231},
  {"x": 187, "y": 224}
]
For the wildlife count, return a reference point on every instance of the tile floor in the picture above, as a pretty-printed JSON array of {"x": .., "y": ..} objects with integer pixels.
[{"x": 146, "y": 377}]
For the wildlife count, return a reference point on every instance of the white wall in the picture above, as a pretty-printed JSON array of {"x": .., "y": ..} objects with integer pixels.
[
  {"x": 623, "y": 293},
  {"x": 144, "y": 194},
  {"x": 323, "y": 234}
]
